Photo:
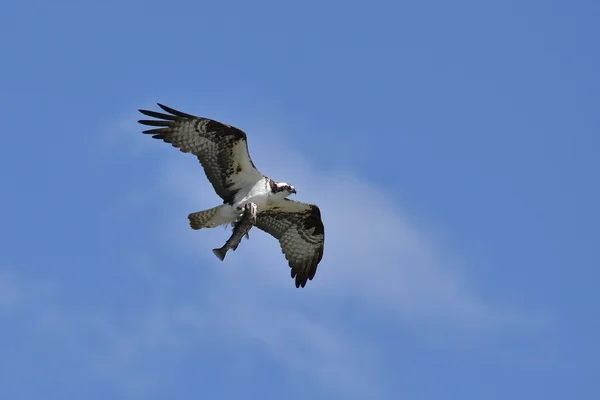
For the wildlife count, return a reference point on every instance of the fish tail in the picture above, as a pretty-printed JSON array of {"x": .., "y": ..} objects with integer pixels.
[{"x": 221, "y": 252}]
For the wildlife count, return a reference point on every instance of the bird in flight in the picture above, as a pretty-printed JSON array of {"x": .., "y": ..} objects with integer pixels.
[{"x": 223, "y": 154}]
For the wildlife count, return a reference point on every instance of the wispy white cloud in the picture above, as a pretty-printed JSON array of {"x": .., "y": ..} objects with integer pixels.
[
  {"x": 374, "y": 254},
  {"x": 135, "y": 352},
  {"x": 378, "y": 265},
  {"x": 376, "y": 259}
]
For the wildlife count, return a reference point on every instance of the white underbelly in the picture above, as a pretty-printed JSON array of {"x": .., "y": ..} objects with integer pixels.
[
  {"x": 260, "y": 201},
  {"x": 256, "y": 194}
]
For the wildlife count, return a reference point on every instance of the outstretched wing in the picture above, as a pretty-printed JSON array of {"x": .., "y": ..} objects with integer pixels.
[
  {"x": 301, "y": 234},
  {"x": 222, "y": 149}
]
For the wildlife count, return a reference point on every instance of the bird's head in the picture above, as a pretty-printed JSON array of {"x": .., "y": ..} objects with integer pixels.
[{"x": 284, "y": 189}]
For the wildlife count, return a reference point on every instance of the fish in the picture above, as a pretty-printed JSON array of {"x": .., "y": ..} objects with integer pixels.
[{"x": 241, "y": 229}]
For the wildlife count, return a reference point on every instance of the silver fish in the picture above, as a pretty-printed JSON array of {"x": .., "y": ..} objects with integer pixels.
[{"x": 241, "y": 229}]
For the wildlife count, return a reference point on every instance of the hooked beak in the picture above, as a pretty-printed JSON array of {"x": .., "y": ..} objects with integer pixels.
[{"x": 293, "y": 191}]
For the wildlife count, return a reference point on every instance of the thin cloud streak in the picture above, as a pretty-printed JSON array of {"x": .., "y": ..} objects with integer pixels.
[
  {"x": 373, "y": 254},
  {"x": 375, "y": 260},
  {"x": 131, "y": 351}
]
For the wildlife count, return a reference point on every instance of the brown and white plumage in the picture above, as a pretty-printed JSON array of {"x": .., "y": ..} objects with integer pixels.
[
  {"x": 223, "y": 153},
  {"x": 221, "y": 149},
  {"x": 301, "y": 234}
]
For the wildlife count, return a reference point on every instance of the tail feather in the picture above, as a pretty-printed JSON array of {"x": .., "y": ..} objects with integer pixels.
[
  {"x": 220, "y": 253},
  {"x": 204, "y": 219}
]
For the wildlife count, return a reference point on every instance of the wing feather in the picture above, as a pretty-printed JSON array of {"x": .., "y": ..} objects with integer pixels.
[
  {"x": 155, "y": 114},
  {"x": 221, "y": 149},
  {"x": 299, "y": 228}
]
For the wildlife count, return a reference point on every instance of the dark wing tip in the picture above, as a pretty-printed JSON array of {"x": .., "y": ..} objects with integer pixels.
[
  {"x": 159, "y": 131},
  {"x": 155, "y": 114},
  {"x": 307, "y": 273},
  {"x": 175, "y": 112},
  {"x": 155, "y": 122},
  {"x": 171, "y": 116},
  {"x": 300, "y": 280}
]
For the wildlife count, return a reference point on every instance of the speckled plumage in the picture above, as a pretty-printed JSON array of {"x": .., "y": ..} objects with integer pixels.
[
  {"x": 221, "y": 149},
  {"x": 223, "y": 153},
  {"x": 301, "y": 235}
]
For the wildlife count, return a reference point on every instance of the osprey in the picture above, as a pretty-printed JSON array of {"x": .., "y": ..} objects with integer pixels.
[{"x": 223, "y": 153}]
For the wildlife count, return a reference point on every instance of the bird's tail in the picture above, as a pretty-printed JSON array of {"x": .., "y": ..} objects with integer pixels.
[{"x": 204, "y": 219}]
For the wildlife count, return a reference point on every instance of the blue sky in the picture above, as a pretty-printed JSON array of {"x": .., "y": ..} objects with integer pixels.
[{"x": 451, "y": 146}]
